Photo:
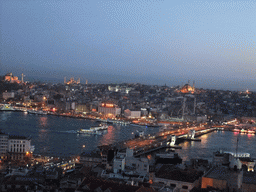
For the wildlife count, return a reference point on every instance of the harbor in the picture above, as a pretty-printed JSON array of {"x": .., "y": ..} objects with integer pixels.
[{"x": 57, "y": 136}]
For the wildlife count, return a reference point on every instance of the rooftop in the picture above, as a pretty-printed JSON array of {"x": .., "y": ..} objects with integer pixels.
[
  {"x": 92, "y": 184},
  {"x": 90, "y": 154},
  {"x": 221, "y": 173},
  {"x": 249, "y": 178},
  {"x": 18, "y": 137},
  {"x": 172, "y": 172}
]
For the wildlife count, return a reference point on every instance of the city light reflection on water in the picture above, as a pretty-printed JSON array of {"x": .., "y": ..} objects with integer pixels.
[
  {"x": 107, "y": 138},
  {"x": 43, "y": 121},
  {"x": 57, "y": 136},
  {"x": 214, "y": 141}
]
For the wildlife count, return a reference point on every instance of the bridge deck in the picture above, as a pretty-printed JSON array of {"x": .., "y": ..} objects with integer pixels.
[{"x": 154, "y": 142}]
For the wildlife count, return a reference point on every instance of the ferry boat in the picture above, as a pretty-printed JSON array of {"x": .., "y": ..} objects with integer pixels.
[
  {"x": 248, "y": 131},
  {"x": 251, "y": 132},
  {"x": 7, "y": 107},
  {"x": 37, "y": 112},
  {"x": 98, "y": 130}
]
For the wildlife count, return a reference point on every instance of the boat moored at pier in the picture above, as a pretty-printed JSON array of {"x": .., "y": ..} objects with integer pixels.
[
  {"x": 37, "y": 112},
  {"x": 97, "y": 130}
]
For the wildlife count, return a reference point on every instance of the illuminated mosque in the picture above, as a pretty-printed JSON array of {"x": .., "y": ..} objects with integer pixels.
[
  {"x": 187, "y": 88},
  {"x": 12, "y": 79},
  {"x": 71, "y": 81}
]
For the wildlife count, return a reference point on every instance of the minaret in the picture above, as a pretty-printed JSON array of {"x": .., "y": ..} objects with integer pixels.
[
  {"x": 22, "y": 78},
  {"x": 78, "y": 81},
  {"x": 65, "y": 80},
  {"x": 194, "y": 86},
  {"x": 86, "y": 82}
]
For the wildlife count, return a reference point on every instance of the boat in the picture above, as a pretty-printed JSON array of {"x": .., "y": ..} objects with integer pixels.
[
  {"x": 7, "y": 107},
  {"x": 37, "y": 112},
  {"x": 97, "y": 130},
  {"x": 251, "y": 131}
]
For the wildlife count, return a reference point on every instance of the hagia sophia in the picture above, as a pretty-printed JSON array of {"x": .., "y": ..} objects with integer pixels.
[
  {"x": 12, "y": 79},
  {"x": 187, "y": 88}
]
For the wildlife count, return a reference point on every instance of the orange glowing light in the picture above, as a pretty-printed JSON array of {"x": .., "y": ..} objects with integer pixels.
[{"x": 109, "y": 105}]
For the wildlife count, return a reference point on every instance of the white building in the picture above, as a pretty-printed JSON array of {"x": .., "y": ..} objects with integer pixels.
[
  {"x": 19, "y": 147},
  {"x": 7, "y": 95},
  {"x": 125, "y": 162},
  {"x": 132, "y": 114}
]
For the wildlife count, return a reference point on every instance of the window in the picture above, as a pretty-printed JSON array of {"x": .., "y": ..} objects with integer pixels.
[
  {"x": 184, "y": 187},
  {"x": 173, "y": 185}
]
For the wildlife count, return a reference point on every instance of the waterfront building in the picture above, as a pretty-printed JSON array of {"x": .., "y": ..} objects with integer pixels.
[
  {"x": 14, "y": 147},
  {"x": 3, "y": 145},
  {"x": 70, "y": 105},
  {"x": 132, "y": 114},
  {"x": 19, "y": 147},
  {"x": 80, "y": 107},
  {"x": 109, "y": 109}
]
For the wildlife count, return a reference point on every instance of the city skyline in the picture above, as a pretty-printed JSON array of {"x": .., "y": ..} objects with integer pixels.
[{"x": 152, "y": 42}]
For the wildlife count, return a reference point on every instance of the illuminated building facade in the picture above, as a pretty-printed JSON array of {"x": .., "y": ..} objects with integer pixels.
[
  {"x": 109, "y": 109},
  {"x": 19, "y": 147},
  {"x": 10, "y": 78},
  {"x": 187, "y": 89},
  {"x": 71, "y": 81}
]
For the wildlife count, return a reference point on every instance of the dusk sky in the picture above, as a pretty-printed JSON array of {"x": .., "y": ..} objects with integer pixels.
[{"x": 146, "y": 41}]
